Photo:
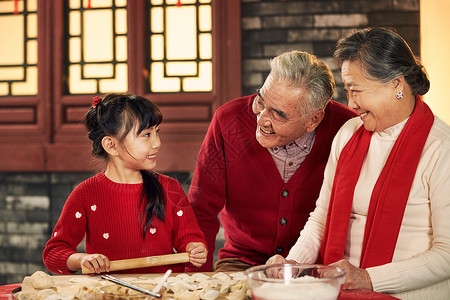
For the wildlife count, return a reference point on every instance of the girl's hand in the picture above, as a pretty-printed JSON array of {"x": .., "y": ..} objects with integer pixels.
[
  {"x": 197, "y": 253},
  {"x": 355, "y": 278},
  {"x": 96, "y": 263}
]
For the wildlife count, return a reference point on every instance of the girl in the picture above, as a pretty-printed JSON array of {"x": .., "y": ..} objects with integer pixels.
[{"x": 127, "y": 211}]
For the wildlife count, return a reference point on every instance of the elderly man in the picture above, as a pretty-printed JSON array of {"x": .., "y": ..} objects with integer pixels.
[{"x": 265, "y": 187}]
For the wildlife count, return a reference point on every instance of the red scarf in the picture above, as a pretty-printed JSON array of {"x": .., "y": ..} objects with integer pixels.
[{"x": 389, "y": 196}]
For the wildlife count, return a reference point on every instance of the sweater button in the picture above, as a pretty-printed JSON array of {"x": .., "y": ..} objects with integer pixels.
[
  {"x": 283, "y": 221},
  {"x": 279, "y": 250},
  {"x": 285, "y": 194}
]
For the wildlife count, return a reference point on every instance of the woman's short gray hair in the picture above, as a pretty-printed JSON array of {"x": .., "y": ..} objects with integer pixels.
[{"x": 305, "y": 71}]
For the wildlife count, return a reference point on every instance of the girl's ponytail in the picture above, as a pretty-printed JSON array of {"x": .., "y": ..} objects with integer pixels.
[{"x": 153, "y": 201}]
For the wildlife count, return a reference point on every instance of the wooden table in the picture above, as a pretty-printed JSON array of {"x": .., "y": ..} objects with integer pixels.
[{"x": 7, "y": 290}]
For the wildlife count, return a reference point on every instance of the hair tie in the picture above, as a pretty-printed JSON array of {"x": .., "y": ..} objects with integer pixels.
[{"x": 96, "y": 101}]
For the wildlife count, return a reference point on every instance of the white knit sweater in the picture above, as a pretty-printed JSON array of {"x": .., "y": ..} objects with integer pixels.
[{"x": 420, "y": 268}]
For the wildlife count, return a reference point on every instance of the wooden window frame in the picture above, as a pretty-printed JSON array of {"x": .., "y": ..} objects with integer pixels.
[{"x": 55, "y": 141}]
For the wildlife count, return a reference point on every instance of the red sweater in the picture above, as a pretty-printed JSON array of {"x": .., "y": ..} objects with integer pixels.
[
  {"x": 106, "y": 213},
  {"x": 237, "y": 177}
]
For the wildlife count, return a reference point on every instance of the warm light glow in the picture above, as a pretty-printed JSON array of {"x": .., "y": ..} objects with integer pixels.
[
  {"x": 99, "y": 56},
  {"x": 31, "y": 26},
  {"x": 181, "y": 46},
  {"x": 181, "y": 69},
  {"x": 77, "y": 85},
  {"x": 181, "y": 32},
  {"x": 74, "y": 50},
  {"x": 11, "y": 73},
  {"x": 98, "y": 35},
  {"x": 157, "y": 43},
  {"x": 3, "y": 89},
  {"x": 11, "y": 34},
  {"x": 19, "y": 54},
  {"x": 203, "y": 82},
  {"x": 205, "y": 15},
  {"x": 98, "y": 70},
  {"x": 161, "y": 83},
  {"x": 119, "y": 83},
  {"x": 121, "y": 21},
  {"x": 28, "y": 87},
  {"x": 7, "y": 6},
  {"x": 435, "y": 49},
  {"x": 205, "y": 46},
  {"x": 156, "y": 20},
  {"x": 32, "y": 52},
  {"x": 32, "y": 5},
  {"x": 74, "y": 23}
]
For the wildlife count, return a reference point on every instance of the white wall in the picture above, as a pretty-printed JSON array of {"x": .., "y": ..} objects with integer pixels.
[{"x": 435, "y": 54}]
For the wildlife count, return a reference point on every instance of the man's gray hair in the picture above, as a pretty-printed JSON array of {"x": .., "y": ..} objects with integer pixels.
[{"x": 305, "y": 71}]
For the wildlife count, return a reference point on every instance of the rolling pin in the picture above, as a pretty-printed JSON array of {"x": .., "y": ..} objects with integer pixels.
[{"x": 142, "y": 262}]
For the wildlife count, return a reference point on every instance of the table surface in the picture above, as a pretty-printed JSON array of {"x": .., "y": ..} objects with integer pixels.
[{"x": 7, "y": 290}]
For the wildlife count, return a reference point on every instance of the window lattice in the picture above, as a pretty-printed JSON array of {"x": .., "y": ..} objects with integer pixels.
[
  {"x": 19, "y": 51},
  {"x": 181, "y": 46},
  {"x": 97, "y": 43}
]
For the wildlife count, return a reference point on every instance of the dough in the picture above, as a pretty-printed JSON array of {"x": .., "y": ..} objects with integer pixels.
[
  {"x": 59, "y": 297},
  {"x": 187, "y": 295},
  {"x": 41, "y": 280},
  {"x": 25, "y": 296},
  {"x": 43, "y": 294}
]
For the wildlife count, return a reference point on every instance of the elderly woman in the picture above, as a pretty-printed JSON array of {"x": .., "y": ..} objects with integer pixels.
[{"x": 383, "y": 210}]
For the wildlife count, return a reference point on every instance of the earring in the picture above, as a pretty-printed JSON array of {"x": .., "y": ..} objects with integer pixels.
[{"x": 399, "y": 95}]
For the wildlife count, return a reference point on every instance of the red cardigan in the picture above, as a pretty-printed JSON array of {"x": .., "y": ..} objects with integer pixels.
[
  {"x": 237, "y": 177},
  {"x": 106, "y": 212}
]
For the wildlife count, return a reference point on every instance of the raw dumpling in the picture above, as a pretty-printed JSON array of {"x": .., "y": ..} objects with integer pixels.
[
  {"x": 238, "y": 276},
  {"x": 60, "y": 297},
  {"x": 237, "y": 295},
  {"x": 25, "y": 296},
  {"x": 200, "y": 277},
  {"x": 186, "y": 295},
  {"x": 210, "y": 295},
  {"x": 43, "y": 294}
]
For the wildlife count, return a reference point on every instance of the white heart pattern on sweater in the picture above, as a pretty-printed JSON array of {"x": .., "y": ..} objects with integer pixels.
[
  {"x": 55, "y": 234},
  {"x": 106, "y": 236},
  {"x": 78, "y": 215},
  {"x": 180, "y": 213},
  {"x": 94, "y": 207},
  {"x": 152, "y": 230}
]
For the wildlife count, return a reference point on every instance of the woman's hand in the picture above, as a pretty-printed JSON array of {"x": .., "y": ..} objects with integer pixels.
[
  {"x": 96, "y": 263},
  {"x": 197, "y": 253},
  {"x": 275, "y": 260},
  {"x": 355, "y": 278},
  {"x": 278, "y": 259}
]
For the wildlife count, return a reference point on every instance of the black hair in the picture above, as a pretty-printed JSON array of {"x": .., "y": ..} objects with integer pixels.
[
  {"x": 384, "y": 55},
  {"x": 115, "y": 116}
]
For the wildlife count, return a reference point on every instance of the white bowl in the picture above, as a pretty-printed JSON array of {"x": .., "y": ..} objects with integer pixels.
[{"x": 295, "y": 282}]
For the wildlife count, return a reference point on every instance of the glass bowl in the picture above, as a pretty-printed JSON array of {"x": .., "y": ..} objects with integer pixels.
[
  {"x": 118, "y": 292},
  {"x": 295, "y": 282}
]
